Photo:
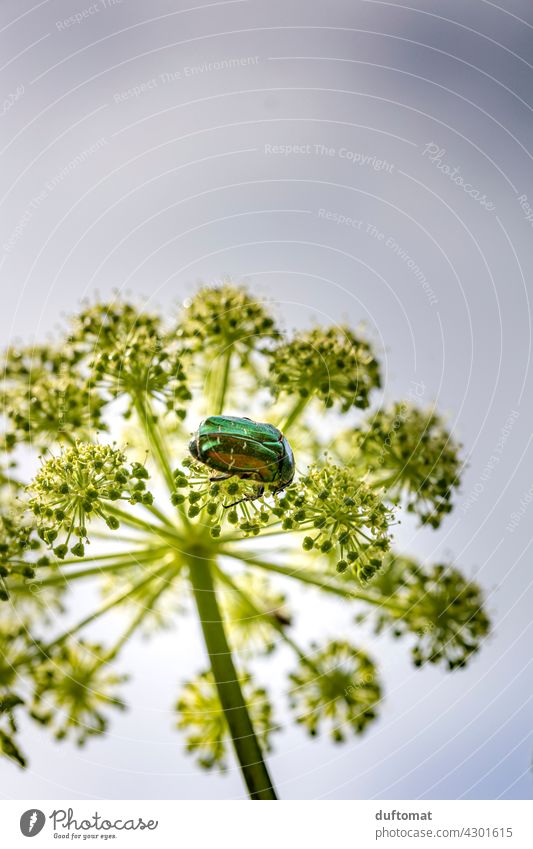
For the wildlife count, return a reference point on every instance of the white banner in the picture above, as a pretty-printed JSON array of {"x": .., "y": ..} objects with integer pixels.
[{"x": 232, "y": 825}]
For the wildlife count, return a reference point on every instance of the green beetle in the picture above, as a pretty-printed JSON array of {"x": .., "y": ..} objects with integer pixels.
[{"x": 250, "y": 450}]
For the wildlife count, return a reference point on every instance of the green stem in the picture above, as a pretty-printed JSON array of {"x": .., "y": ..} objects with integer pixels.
[
  {"x": 224, "y": 383},
  {"x": 151, "y": 429},
  {"x": 163, "y": 518},
  {"x": 146, "y": 608},
  {"x": 116, "y": 557},
  {"x": 65, "y": 578},
  {"x": 105, "y": 608},
  {"x": 293, "y": 414},
  {"x": 264, "y": 614},
  {"x": 318, "y": 581},
  {"x": 161, "y": 531},
  {"x": 244, "y": 739}
]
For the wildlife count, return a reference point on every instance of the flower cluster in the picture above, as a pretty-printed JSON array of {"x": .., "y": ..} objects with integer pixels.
[
  {"x": 128, "y": 371},
  {"x": 343, "y": 517},
  {"x": 72, "y": 688},
  {"x": 336, "y": 685},
  {"x": 80, "y": 484},
  {"x": 8, "y": 728},
  {"x": 214, "y": 502},
  {"x": 201, "y": 717},
  {"x": 438, "y": 605},
  {"x": 333, "y": 364},
  {"x": 225, "y": 318},
  {"x": 409, "y": 452},
  {"x": 99, "y": 327},
  {"x": 45, "y": 398},
  {"x": 15, "y": 641},
  {"x": 19, "y": 547},
  {"x": 143, "y": 366}
]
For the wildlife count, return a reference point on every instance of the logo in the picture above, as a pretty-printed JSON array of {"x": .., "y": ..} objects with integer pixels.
[{"x": 32, "y": 822}]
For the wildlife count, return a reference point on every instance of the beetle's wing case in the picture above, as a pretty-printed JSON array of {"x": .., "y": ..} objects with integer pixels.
[
  {"x": 287, "y": 467},
  {"x": 237, "y": 426}
]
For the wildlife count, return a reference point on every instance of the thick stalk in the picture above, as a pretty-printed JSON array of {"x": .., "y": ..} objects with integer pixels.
[{"x": 242, "y": 732}]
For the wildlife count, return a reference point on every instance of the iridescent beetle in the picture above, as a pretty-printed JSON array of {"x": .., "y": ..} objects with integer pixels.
[{"x": 250, "y": 450}]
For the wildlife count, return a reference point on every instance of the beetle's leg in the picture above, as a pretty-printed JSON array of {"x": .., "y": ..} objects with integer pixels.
[
  {"x": 220, "y": 478},
  {"x": 258, "y": 494}
]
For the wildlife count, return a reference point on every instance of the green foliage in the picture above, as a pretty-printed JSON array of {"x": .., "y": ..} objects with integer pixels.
[{"x": 124, "y": 375}]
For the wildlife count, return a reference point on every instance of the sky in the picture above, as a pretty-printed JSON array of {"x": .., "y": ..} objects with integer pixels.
[{"x": 360, "y": 161}]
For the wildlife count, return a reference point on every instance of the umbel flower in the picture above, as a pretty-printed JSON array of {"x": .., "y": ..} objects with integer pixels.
[
  {"x": 437, "y": 605},
  {"x": 410, "y": 452},
  {"x": 73, "y": 687},
  {"x": 336, "y": 685},
  {"x": 105, "y": 417},
  {"x": 45, "y": 396},
  {"x": 82, "y": 483},
  {"x": 201, "y": 717},
  {"x": 332, "y": 364},
  {"x": 21, "y": 550}
]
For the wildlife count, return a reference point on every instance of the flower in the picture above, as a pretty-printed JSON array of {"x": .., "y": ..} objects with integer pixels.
[
  {"x": 143, "y": 365},
  {"x": 332, "y": 364},
  {"x": 213, "y": 502},
  {"x": 80, "y": 484},
  {"x": 225, "y": 318},
  {"x": 336, "y": 685},
  {"x": 201, "y": 717},
  {"x": 437, "y": 604},
  {"x": 343, "y": 517},
  {"x": 102, "y": 326},
  {"x": 45, "y": 398},
  {"x": 8, "y": 728},
  {"x": 72, "y": 688},
  {"x": 145, "y": 378},
  {"x": 20, "y": 547},
  {"x": 410, "y": 453}
]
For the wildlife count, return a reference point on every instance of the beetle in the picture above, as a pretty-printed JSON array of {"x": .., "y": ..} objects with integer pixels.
[{"x": 250, "y": 450}]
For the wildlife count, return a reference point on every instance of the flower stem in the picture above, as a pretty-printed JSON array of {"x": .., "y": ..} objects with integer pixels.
[
  {"x": 317, "y": 581},
  {"x": 245, "y": 742},
  {"x": 293, "y": 414},
  {"x": 112, "y": 566},
  {"x": 149, "y": 424},
  {"x": 105, "y": 608},
  {"x": 222, "y": 388},
  {"x": 268, "y": 617}
]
